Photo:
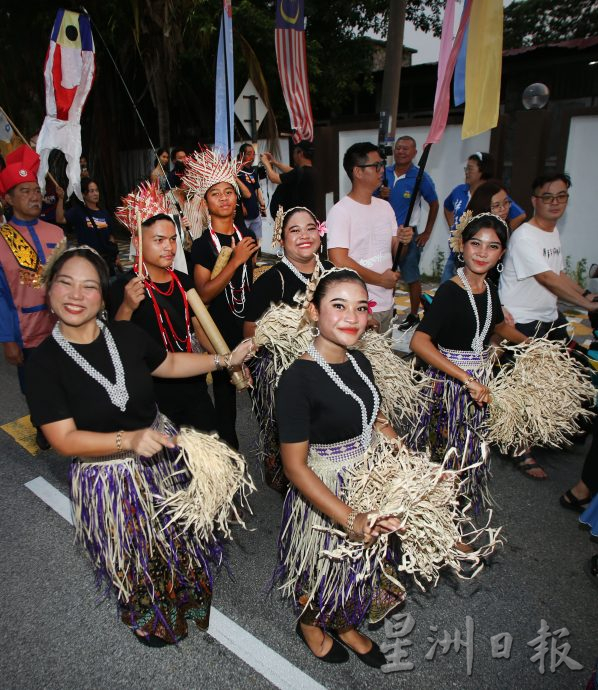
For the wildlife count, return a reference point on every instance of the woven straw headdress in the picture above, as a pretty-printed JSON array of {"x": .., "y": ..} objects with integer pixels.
[
  {"x": 147, "y": 199},
  {"x": 205, "y": 168}
]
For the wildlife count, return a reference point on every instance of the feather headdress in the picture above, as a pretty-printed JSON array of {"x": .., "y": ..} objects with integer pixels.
[
  {"x": 147, "y": 200},
  {"x": 205, "y": 168}
]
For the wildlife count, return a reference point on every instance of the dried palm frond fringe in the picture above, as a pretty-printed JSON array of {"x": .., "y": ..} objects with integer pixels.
[
  {"x": 391, "y": 480},
  {"x": 539, "y": 398},
  {"x": 282, "y": 333},
  {"x": 401, "y": 387},
  {"x": 218, "y": 474}
]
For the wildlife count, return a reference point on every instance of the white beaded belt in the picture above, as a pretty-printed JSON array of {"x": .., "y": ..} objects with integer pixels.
[{"x": 467, "y": 359}]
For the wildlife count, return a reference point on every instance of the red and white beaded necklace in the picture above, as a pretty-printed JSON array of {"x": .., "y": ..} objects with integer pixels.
[{"x": 235, "y": 297}]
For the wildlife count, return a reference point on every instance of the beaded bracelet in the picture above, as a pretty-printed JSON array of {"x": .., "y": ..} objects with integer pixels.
[
  {"x": 351, "y": 520},
  {"x": 119, "y": 440}
]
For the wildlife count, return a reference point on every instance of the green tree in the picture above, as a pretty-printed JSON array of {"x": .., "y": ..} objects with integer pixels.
[{"x": 537, "y": 22}]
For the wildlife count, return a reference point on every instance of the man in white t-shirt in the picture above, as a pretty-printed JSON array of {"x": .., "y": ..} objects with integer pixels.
[
  {"x": 533, "y": 278},
  {"x": 362, "y": 230}
]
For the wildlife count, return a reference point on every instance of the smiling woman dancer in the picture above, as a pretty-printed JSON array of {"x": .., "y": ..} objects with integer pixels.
[
  {"x": 327, "y": 406},
  {"x": 297, "y": 231},
  {"x": 453, "y": 339},
  {"x": 93, "y": 398}
]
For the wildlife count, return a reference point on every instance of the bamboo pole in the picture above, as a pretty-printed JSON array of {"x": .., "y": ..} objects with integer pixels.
[
  {"x": 213, "y": 334},
  {"x": 139, "y": 247},
  {"x": 221, "y": 261}
]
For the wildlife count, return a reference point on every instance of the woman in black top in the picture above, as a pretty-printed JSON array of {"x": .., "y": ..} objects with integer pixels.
[
  {"x": 297, "y": 231},
  {"x": 93, "y": 397},
  {"x": 453, "y": 338},
  {"x": 327, "y": 405},
  {"x": 93, "y": 225}
]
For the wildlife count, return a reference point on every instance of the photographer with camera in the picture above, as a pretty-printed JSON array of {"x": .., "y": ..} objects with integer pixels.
[
  {"x": 252, "y": 201},
  {"x": 296, "y": 185}
]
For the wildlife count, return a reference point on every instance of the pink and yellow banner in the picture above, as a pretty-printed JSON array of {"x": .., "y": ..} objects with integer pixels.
[{"x": 484, "y": 67}]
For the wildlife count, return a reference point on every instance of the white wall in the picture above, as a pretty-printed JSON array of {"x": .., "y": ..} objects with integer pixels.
[
  {"x": 445, "y": 165},
  {"x": 579, "y": 225}
]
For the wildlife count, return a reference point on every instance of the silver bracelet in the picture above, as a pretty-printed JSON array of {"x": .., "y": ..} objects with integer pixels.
[{"x": 217, "y": 362}]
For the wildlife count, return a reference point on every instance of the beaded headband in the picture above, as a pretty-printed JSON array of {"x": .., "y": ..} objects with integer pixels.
[
  {"x": 281, "y": 214},
  {"x": 147, "y": 200},
  {"x": 456, "y": 238},
  {"x": 205, "y": 168}
]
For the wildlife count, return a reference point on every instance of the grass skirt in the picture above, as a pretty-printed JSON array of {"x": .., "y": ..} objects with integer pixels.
[
  {"x": 331, "y": 593},
  {"x": 265, "y": 379},
  {"x": 449, "y": 418},
  {"x": 159, "y": 574}
]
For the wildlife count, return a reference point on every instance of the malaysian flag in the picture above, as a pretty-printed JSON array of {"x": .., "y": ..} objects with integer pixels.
[{"x": 292, "y": 67}]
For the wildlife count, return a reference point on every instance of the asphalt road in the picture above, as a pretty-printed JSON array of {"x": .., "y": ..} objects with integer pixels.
[{"x": 58, "y": 632}]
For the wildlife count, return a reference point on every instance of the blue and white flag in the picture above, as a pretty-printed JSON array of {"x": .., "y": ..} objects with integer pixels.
[{"x": 224, "y": 126}]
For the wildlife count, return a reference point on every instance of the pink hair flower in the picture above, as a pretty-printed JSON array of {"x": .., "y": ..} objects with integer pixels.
[
  {"x": 322, "y": 229},
  {"x": 371, "y": 305}
]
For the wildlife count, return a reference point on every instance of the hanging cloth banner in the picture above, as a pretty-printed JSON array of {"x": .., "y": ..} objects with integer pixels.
[
  {"x": 291, "y": 55},
  {"x": 68, "y": 73},
  {"x": 483, "y": 67},
  {"x": 445, "y": 74},
  {"x": 224, "y": 125}
]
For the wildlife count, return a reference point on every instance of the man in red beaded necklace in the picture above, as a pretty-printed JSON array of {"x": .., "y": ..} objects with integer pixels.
[
  {"x": 157, "y": 303},
  {"x": 213, "y": 178}
]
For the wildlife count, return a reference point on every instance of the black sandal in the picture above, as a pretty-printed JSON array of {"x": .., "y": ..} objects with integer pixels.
[
  {"x": 569, "y": 501},
  {"x": 524, "y": 467}
]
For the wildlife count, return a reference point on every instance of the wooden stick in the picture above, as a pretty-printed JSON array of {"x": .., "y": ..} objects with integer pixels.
[
  {"x": 22, "y": 138},
  {"x": 213, "y": 334},
  {"x": 139, "y": 247}
]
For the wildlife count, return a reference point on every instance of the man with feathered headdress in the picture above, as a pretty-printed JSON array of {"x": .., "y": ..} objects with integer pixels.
[
  {"x": 25, "y": 245},
  {"x": 153, "y": 296},
  {"x": 212, "y": 178}
]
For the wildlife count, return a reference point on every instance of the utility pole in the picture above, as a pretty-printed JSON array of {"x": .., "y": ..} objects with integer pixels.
[{"x": 392, "y": 72}]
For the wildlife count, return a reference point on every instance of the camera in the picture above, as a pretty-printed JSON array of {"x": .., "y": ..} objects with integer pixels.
[
  {"x": 261, "y": 172},
  {"x": 385, "y": 151}
]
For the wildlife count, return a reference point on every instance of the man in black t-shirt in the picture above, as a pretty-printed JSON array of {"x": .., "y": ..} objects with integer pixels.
[
  {"x": 159, "y": 306},
  {"x": 296, "y": 184},
  {"x": 212, "y": 178}
]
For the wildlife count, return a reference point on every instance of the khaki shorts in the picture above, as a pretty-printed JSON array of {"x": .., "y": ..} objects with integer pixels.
[{"x": 383, "y": 318}]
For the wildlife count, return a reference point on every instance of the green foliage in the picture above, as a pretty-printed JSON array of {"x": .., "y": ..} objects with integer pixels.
[
  {"x": 537, "y": 22},
  {"x": 579, "y": 273},
  {"x": 438, "y": 264}
]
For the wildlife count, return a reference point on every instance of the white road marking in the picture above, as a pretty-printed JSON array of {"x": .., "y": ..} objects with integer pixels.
[{"x": 274, "y": 667}]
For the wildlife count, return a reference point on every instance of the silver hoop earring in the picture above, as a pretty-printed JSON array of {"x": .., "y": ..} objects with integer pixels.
[
  {"x": 103, "y": 315},
  {"x": 499, "y": 266},
  {"x": 460, "y": 257},
  {"x": 280, "y": 253},
  {"x": 315, "y": 331}
]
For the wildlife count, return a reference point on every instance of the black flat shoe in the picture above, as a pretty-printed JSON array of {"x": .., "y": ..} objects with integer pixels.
[
  {"x": 151, "y": 640},
  {"x": 569, "y": 501},
  {"x": 373, "y": 658},
  {"x": 336, "y": 655}
]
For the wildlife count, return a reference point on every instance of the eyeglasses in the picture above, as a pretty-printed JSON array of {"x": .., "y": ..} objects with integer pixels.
[
  {"x": 500, "y": 205},
  {"x": 560, "y": 198},
  {"x": 378, "y": 165}
]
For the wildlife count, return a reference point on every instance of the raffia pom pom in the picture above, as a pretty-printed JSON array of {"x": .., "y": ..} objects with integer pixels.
[
  {"x": 218, "y": 474},
  {"x": 402, "y": 389},
  {"x": 392, "y": 481},
  {"x": 538, "y": 399},
  {"x": 281, "y": 332}
]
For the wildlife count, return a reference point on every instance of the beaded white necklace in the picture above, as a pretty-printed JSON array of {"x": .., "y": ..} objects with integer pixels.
[
  {"x": 294, "y": 269},
  {"x": 235, "y": 303},
  {"x": 117, "y": 392},
  {"x": 366, "y": 427},
  {"x": 477, "y": 344}
]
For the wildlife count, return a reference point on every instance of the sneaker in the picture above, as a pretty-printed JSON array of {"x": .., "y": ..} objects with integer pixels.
[{"x": 410, "y": 321}]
